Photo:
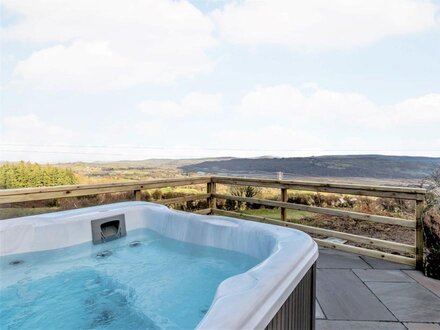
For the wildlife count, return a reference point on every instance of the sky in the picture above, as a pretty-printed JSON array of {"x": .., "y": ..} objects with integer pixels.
[{"x": 114, "y": 80}]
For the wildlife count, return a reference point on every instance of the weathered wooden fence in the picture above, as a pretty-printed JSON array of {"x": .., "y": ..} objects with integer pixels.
[{"x": 415, "y": 194}]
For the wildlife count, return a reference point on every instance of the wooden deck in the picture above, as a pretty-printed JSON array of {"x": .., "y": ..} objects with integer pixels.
[{"x": 358, "y": 292}]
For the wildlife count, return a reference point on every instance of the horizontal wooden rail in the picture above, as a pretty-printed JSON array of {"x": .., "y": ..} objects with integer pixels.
[
  {"x": 398, "y": 247},
  {"x": 367, "y": 252},
  {"x": 351, "y": 189},
  {"x": 182, "y": 199},
  {"x": 41, "y": 193},
  {"x": 323, "y": 210},
  {"x": 394, "y": 246}
]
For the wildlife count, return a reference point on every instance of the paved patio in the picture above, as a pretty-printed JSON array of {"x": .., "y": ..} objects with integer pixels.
[{"x": 356, "y": 292}]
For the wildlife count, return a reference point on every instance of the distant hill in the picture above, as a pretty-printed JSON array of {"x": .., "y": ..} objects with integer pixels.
[
  {"x": 144, "y": 164},
  {"x": 366, "y": 166}
]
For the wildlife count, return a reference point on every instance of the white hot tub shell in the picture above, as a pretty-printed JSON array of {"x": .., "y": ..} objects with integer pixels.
[{"x": 278, "y": 293}]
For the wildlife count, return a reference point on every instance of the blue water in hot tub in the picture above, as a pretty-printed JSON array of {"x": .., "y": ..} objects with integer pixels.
[{"x": 158, "y": 284}]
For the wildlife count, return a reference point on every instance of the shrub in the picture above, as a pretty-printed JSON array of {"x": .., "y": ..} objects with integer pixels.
[
  {"x": 431, "y": 228},
  {"x": 157, "y": 194},
  {"x": 243, "y": 191},
  {"x": 173, "y": 194},
  {"x": 395, "y": 205},
  {"x": 146, "y": 196},
  {"x": 431, "y": 221},
  {"x": 299, "y": 198}
]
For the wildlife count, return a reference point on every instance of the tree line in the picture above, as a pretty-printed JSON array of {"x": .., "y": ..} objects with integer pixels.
[{"x": 26, "y": 174}]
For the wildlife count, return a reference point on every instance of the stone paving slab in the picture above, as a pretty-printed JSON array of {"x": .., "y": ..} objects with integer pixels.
[
  {"x": 382, "y": 264},
  {"x": 429, "y": 283},
  {"x": 341, "y": 260},
  {"x": 409, "y": 302},
  {"x": 422, "y": 326},
  {"x": 343, "y": 296},
  {"x": 358, "y": 325},
  {"x": 319, "y": 314},
  {"x": 382, "y": 275}
]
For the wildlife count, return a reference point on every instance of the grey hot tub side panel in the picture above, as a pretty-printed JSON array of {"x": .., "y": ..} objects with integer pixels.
[{"x": 298, "y": 311}]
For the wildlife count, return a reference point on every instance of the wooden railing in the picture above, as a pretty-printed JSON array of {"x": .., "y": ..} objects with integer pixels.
[
  {"x": 415, "y": 194},
  {"x": 41, "y": 193}
]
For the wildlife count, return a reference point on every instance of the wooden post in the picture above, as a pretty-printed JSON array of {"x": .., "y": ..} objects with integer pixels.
[
  {"x": 420, "y": 204},
  {"x": 283, "y": 199},
  {"x": 137, "y": 195},
  {"x": 211, "y": 189}
]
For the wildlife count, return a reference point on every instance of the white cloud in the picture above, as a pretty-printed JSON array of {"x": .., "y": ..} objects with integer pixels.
[
  {"x": 253, "y": 139},
  {"x": 422, "y": 110},
  {"x": 20, "y": 135},
  {"x": 30, "y": 129},
  {"x": 322, "y": 25},
  {"x": 110, "y": 44},
  {"x": 301, "y": 106},
  {"x": 285, "y": 120},
  {"x": 198, "y": 104}
]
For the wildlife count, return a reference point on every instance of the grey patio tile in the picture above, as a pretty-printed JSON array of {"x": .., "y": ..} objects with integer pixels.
[
  {"x": 382, "y": 275},
  {"x": 429, "y": 283},
  {"x": 422, "y": 326},
  {"x": 329, "y": 258},
  {"x": 382, "y": 264},
  {"x": 343, "y": 296},
  {"x": 319, "y": 312},
  {"x": 409, "y": 302},
  {"x": 357, "y": 325}
]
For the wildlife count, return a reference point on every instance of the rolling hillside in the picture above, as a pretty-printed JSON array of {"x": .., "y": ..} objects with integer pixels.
[{"x": 367, "y": 166}]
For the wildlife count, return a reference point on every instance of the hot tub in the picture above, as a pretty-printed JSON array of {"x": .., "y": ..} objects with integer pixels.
[{"x": 142, "y": 265}]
